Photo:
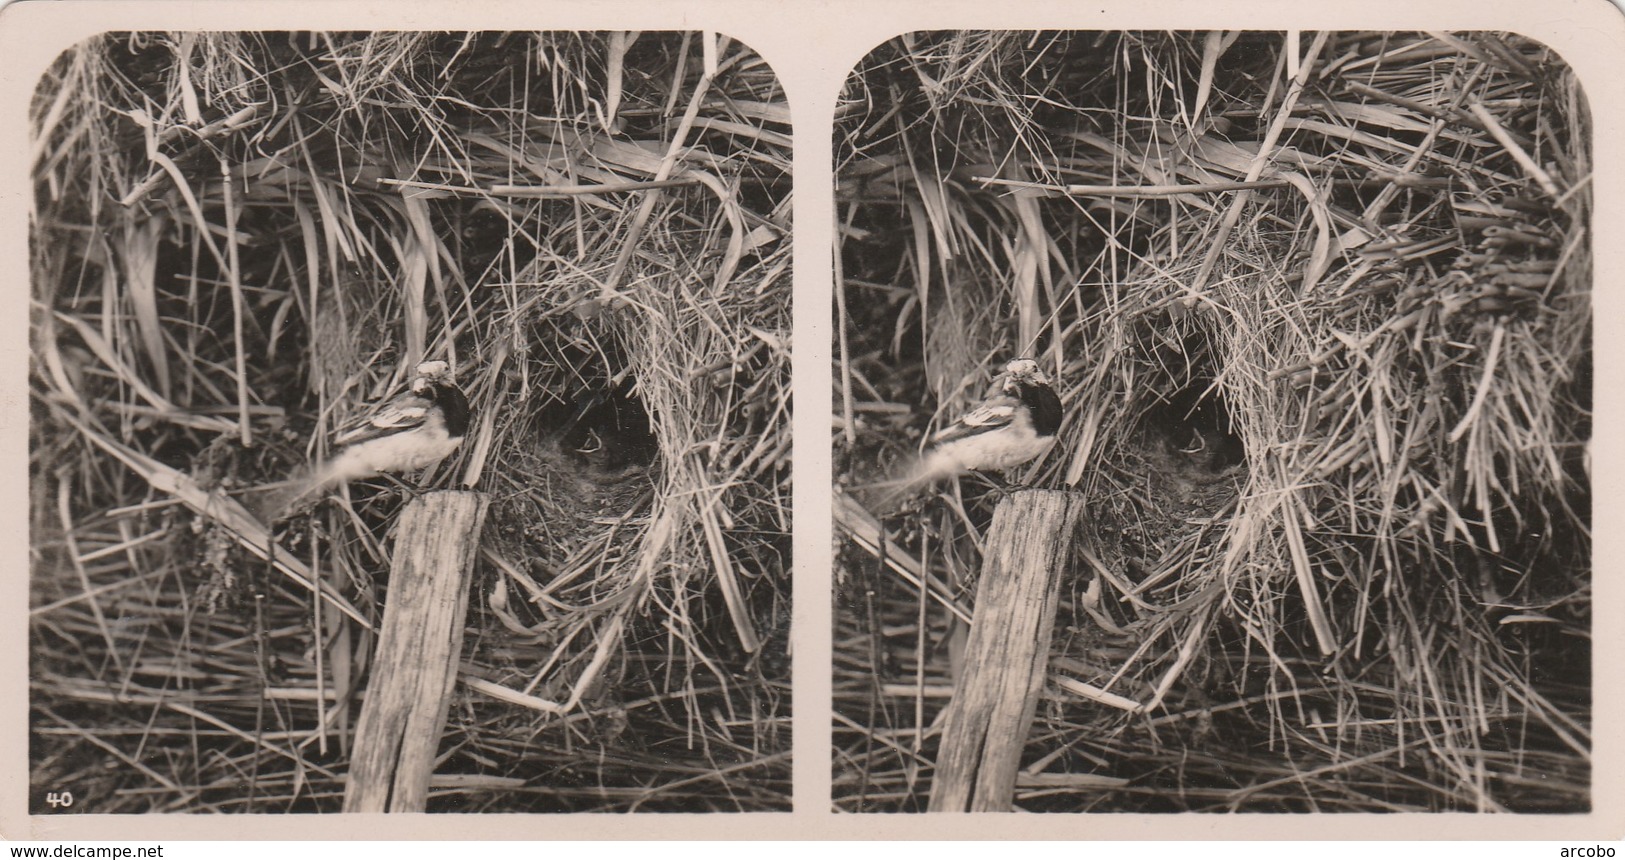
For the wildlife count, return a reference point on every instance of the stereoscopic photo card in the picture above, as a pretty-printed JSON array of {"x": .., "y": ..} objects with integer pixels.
[{"x": 1203, "y": 427}]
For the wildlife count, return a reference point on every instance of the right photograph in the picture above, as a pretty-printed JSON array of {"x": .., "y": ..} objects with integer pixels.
[{"x": 1211, "y": 422}]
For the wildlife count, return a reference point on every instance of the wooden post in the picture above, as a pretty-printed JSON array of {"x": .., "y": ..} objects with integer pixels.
[
  {"x": 398, "y": 732},
  {"x": 1007, "y": 653}
]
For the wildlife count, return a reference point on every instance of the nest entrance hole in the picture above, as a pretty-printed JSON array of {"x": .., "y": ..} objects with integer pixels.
[
  {"x": 1195, "y": 420},
  {"x": 1188, "y": 414},
  {"x": 605, "y": 427}
]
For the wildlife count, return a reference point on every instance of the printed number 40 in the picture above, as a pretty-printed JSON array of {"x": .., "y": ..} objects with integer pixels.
[{"x": 59, "y": 798}]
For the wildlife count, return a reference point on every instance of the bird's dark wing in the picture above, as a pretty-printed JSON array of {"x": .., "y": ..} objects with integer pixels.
[
  {"x": 402, "y": 412},
  {"x": 991, "y": 415}
]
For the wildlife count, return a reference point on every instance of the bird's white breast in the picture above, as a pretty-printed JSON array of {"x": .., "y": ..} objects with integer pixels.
[
  {"x": 995, "y": 450},
  {"x": 403, "y": 452}
]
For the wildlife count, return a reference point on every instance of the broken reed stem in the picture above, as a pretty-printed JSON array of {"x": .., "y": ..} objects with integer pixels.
[
  {"x": 233, "y": 274},
  {"x": 1007, "y": 653},
  {"x": 398, "y": 732}
]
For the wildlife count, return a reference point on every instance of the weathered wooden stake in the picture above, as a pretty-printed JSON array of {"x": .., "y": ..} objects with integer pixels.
[
  {"x": 398, "y": 732},
  {"x": 1007, "y": 653}
]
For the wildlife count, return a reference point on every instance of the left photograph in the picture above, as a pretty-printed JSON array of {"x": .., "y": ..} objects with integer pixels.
[{"x": 410, "y": 424}]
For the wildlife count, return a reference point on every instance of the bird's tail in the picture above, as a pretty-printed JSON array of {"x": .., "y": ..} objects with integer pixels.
[
  {"x": 279, "y": 501},
  {"x": 884, "y": 498},
  {"x": 272, "y": 502}
]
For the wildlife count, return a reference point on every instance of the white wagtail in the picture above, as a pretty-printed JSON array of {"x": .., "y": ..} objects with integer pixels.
[
  {"x": 408, "y": 432},
  {"x": 1010, "y": 428}
]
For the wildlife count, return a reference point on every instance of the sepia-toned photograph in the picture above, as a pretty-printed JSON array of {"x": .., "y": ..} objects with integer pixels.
[
  {"x": 1211, "y": 420},
  {"x": 409, "y": 424}
]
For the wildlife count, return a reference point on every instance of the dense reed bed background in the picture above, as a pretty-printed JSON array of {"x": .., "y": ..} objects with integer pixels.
[
  {"x": 239, "y": 239},
  {"x": 1318, "y": 305}
]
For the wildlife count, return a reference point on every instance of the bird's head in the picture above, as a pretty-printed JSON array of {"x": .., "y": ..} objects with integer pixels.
[
  {"x": 435, "y": 370},
  {"x": 1024, "y": 371},
  {"x": 430, "y": 372}
]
